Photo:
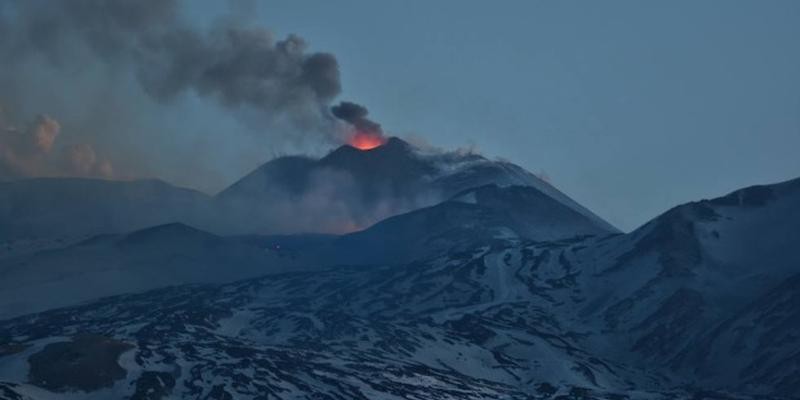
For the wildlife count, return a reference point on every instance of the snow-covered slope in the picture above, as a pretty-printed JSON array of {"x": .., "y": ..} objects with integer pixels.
[
  {"x": 458, "y": 327},
  {"x": 472, "y": 217},
  {"x": 680, "y": 291},
  {"x": 699, "y": 303}
]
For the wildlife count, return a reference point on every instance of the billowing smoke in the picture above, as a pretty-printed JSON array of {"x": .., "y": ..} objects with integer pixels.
[
  {"x": 83, "y": 161},
  {"x": 26, "y": 151},
  {"x": 43, "y": 134},
  {"x": 31, "y": 151},
  {"x": 365, "y": 133},
  {"x": 95, "y": 64},
  {"x": 356, "y": 115},
  {"x": 239, "y": 67}
]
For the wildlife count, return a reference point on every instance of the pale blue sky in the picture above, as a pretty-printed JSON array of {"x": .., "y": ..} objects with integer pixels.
[{"x": 630, "y": 107}]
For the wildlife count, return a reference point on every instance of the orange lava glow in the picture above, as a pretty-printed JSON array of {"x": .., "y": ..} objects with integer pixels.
[{"x": 366, "y": 141}]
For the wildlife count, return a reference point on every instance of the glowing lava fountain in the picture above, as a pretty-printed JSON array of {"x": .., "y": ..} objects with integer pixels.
[{"x": 366, "y": 141}]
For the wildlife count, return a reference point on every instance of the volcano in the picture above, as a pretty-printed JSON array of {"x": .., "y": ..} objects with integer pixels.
[
  {"x": 347, "y": 190},
  {"x": 356, "y": 188}
]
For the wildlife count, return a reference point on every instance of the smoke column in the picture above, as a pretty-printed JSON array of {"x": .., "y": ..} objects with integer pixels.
[{"x": 105, "y": 70}]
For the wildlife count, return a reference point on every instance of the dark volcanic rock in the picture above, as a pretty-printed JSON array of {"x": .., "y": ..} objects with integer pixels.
[{"x": 87, "y": 363}]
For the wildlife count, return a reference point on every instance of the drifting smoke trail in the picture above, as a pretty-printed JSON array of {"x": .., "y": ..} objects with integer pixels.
[
  {"x": 29, "y": 151},
  {"x": 235, "y": 66}
]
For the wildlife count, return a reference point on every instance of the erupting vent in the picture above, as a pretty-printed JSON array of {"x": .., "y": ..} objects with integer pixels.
[{"x": 366, "y": 141}]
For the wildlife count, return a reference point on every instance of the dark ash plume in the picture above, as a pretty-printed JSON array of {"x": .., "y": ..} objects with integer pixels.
[
  {"x": 356, "y": 115},
  {"x": 238, "y": 66},
  {"x": 125, "y": 77}
]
